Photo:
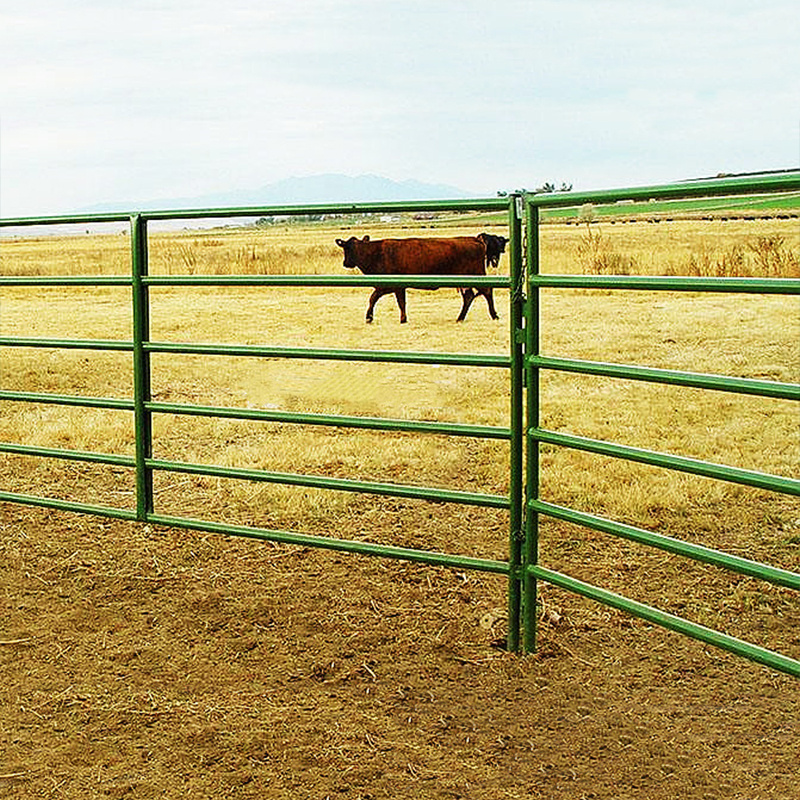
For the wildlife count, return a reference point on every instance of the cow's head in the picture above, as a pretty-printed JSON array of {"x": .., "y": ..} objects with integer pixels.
[
  {"x": 350, "y": 248},
  {"x": 495, "y": 245}
]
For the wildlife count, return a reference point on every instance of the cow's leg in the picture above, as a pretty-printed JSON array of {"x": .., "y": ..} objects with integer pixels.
[
  {"x": 487, "y": 293},
  {"x": 373, "y": 298},
  {"x": 467, "y": 296},
  {"x": 400, "y": 296}
]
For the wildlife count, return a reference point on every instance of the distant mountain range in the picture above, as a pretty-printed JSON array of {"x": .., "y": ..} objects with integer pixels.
[{"x": 332, "y": 188}]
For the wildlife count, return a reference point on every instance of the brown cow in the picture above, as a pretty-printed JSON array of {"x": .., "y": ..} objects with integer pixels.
[{"x": 463, "y": 255}]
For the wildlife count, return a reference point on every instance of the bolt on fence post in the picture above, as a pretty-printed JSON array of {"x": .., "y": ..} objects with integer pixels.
[
  {"x": 141, "y": 367},
  {"x": 531, "y": 547},
  {"x": 516, "y": 411}
]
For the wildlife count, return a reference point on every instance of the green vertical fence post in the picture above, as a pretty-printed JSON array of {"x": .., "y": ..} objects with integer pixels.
[
  {"x": 515, "y": 566},
  {"x": 141, "y": 368},
  {"x": 531, "y": 548}
]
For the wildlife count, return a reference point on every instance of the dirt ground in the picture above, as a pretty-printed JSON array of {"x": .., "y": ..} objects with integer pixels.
[{"x": 143, "y": 662}]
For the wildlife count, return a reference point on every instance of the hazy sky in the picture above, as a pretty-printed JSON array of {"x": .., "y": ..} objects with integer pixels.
[{"x": 105, "y": 100}]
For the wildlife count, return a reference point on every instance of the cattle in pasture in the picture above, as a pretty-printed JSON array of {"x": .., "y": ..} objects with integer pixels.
[
  {"x": 461, "y": 255},
  {"x": 495, "y": 246}
]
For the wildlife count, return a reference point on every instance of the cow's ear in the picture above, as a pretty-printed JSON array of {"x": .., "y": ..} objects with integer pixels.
[
  {"x": 366, "y": 238},
  {"x": 340, "y": 242}
]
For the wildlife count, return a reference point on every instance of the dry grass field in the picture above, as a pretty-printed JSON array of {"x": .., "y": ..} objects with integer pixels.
[{"x": 139, "y": 661}]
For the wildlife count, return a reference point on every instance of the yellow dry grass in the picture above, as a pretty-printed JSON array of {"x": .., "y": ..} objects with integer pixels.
[
  {"x": 765, "y": 247},
  {"x": 737, "y": 335}
]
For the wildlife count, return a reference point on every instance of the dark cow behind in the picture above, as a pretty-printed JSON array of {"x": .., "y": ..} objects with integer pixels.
[
  {"x": 462, "y": 255},
  {"x": 495, "y": 246}
]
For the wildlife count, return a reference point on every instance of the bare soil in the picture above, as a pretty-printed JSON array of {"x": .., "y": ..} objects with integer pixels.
[{"x": 143, "y": 662}]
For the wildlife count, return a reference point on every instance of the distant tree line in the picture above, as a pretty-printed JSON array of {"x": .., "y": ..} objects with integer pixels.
[{"x": 545, "y": 188}]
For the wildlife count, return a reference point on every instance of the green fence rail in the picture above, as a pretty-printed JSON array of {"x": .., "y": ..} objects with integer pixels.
[
  {"x": 523, "y": 363},
  {"x": 537, "y": 507}
]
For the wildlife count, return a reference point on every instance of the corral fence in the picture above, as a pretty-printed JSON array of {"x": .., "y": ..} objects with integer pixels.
[
  {"x": 535, "y": 364},
  {"x": 524, "y": 567}
]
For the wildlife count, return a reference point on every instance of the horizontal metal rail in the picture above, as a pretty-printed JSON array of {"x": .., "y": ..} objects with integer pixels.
[
  {"x": 679, "y": 624},
  {"x": 286, "y": 537},
  {"x": 69, "y": 505},
  {"x": 322, "y": 354},
  {"x": 335, "y": 484},
  {"x": 67, "y": 344},
  {"x": 119, "y": 404},
  {"x": 68, "y": 455},
  {"x": 65, "y": 280},
  {"x": 640, "y": 282},
  {"x": 305, "y": 280},
  {"x": 479, "y": 204},
  {"x": 409, "y": 281},
  {"x": 722, "y": 383},
  {"x": 354, "y": 279},
  {"x": 64, "y": 219},
  {"x": 744, "y": 566},
  {"x": 354, "y": 546},
  {"x": 333, "y": 420},
  {"x": 715, "y": 187},
  {"x": 261, "y": 351},
  {"x": 744, "y": 477},
  {"x": 670, "y": 283}
]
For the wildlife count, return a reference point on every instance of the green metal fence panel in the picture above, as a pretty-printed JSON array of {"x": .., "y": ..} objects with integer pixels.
[
  {"x": 535, "y": 363},
  {"x": 524, "y": 363},
  {"x": 143, "y": 407}
]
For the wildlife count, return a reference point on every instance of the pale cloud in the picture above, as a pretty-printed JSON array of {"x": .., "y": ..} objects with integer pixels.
[{"x": 108, "y": 100}]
